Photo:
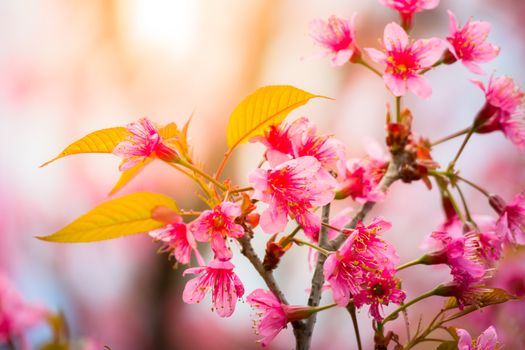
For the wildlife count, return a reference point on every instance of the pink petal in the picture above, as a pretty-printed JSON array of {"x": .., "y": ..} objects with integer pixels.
[
  {"x": 474, "y": 68},
  {"x": 194, "y": 291},
  {"x": 396, "y": 85},
  {"x": 341, "y": 57},
  {"x": 395, "y": 37},
  {"x": 465, "y": 340},
  {"x": 429, "y": 51},
  {"x": 230, "y": 209},
  {"x": 452, "y": 23},
  {"x": 488, "y": 339},
  {"x": 273, "y": 220},
  {"x": 419, "y": 86},
  {"x": 376, "y": 55},
  {"x": 220, "y": 248}
]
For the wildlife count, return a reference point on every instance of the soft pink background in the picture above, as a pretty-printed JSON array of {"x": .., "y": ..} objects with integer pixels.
[{"x": 71, "y": 67}]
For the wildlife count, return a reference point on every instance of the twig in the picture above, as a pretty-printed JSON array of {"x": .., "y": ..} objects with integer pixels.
[
  {"x": 304, "y": 338},
  {"x": 267, "y": 276},
  {"x": 351, "y": 310}
]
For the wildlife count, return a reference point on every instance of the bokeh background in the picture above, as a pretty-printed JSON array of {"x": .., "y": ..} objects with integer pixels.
[{"x": 70, "y": 67}]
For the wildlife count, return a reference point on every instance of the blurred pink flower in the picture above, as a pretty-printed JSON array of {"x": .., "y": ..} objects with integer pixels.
[
  {"x": 511, "y": 223},
  {"x": 217, "y": 225},
  {"x": 488, "y": 340},
  {"x": 407, "y": 8},
  {"x": 144, "y": 141},
  {"x": 338, "y": 36},
  {"x": 292, "y": 188},
  {"x": 404, "y": 61},
  {"x": 503, "y": 110},
  {"x": 379, "y": 288},
  {"x": 178, "y": 241},
  {"x": 16, "y": 316},
  {"x": 225, "y": 284},
  {"x": 278, "y": 140},
  {"x": 469, "y": 43}
]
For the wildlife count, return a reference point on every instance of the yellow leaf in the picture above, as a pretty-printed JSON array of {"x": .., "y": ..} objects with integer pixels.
[
  {"x": 101, "y": 141},
  {"x": 128, "y": 175},
  {"x": 169, "y": 131},
  {"x": 119, "y": 217},
  {"x": 266, "y": 106}
]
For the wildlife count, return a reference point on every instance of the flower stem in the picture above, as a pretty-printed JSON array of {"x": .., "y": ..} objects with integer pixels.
[
  {"x": 372, "y": 69},
  {"x": 446, "y": 191},
  {"x": 410, "y": 263},
  {"x": 450, "y": 137},
  {"x": 473, "y": 185},
  {"x": 242, "y": 189},
  {"x": 465, "y": 141},
  {"x": 223, "y": 163},
  {"x": 351, "y": 310},
  {"x": 203, "y": 174},
  {"x": 324, "y": 307},
  {"x": 398, "y": 109},
  {"x": 394, "y": 314},
  {"x": 319, "y": 249}
]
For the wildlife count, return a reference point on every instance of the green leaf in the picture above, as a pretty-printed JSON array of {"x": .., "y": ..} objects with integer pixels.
[
  {"x": 101, "y": 141},
  {"x": 485, "y": 297},
  {"x": 119, "y": 217},
  {"x": 448, "y": 345},
  {"x": 266, "y": 106}
]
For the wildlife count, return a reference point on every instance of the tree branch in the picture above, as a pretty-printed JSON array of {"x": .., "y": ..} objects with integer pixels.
[
  {"x": 248, "y": 251},
  {"x": 304, "y": 337},
  {"x": 391, "y": 175}
]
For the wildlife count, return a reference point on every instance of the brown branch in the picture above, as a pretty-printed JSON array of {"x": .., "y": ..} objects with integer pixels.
[
  {"x": 303, "y": 338},
  {"x": 248, "y": 251}
]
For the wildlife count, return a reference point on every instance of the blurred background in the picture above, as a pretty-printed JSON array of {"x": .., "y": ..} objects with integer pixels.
[{"x": 71, "y": 67}]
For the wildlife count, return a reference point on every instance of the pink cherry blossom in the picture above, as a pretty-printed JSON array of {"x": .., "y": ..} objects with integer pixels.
[
  {"x": 274, "y": 315},
  {"x": 143, "y": 142},
  {"x": 379, "y": 289},
  {"x": 217, "y": 225},
  {"x": 364, "y": 251},
  {"x": 359, "y": 179},
  {"x": 299, "y": 139},
  {"x": 272, "y": 318},
  {"x": 511, "y": 223},
  {"x": 338, "y": 36},
  {"x": 404, "y": 61},
  {"x": 225, "y": 284},
  {"x": 461, "y": 252},
  {"x": 292, "y": 189},
  {"x": 407, "y": 8},
  {"x": 326, "y": 149},
  {"x": 279, "y": 141},
  {"x": 504, "y": 109},
  {"x": 178, "y": 241},
  {"x": 16, "y": 315},
  {"x": 469, "y": 43},
  {"x": 488, "y": 340}
]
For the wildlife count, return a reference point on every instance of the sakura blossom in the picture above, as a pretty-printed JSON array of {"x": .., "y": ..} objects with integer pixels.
[
  {"x": 379, "y": 289},
  {"x": 488, "y": 340},
  {"x": 511, "y": 223},
  {"x": 217, "y": 226},
  {"x": 469, "y": 45},
  {"x": 219, "y": 277},
  {"x": 407, "y": 8},
  {"x": 272, "y": 317},
  {"x": 177, "y": 240},
  {"x": 16, "y": 315},
  {"x": 143, "y": 142},
  {"x": 292, "y": 189},
  {"x": 504, "y": 109},
  {"x": 347, "y": 270},
  {"x": 298, "y": 139},
  {"x": 338, "y": 36},
  {"x": 405, "y": 61}
]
